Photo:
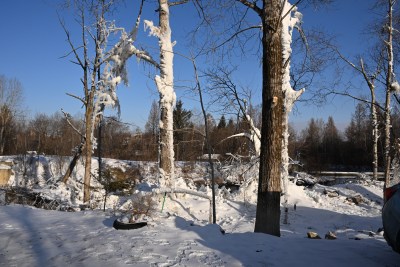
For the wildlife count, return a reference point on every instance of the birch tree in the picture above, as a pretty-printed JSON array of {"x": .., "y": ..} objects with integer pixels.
[
  {"x": 390, "y": 86},
  {"x": 369, "y": 78}
]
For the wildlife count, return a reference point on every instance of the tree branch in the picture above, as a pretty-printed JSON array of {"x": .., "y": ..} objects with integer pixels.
[
  {"x": 67, "y": 116},
  {"x": 236, "y": 34},
  {"x": 177, "y": 3},
  {"x": 77, "y": 97},
  {"x": 253, "y": 6},
  {"x": 74, "y": 50},
  {"x": 358, "y": 98}
]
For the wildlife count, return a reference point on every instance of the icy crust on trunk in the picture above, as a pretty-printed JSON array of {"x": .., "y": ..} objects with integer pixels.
[
  {"x": 165, "y": 86},
  {"x": 289, "y": 22}
]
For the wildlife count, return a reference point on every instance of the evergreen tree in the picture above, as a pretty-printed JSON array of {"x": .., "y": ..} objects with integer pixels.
[
  {"x": 182, "y": 122},
  {"x": 222, "y": 122},
  {"x": 182, "y": 117},
  {"x": 331, "y": 143},
  {"x": 152, "y": 126}
]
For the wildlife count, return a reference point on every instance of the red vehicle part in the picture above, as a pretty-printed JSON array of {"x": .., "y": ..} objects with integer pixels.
[{"x": 389, "y": 191}]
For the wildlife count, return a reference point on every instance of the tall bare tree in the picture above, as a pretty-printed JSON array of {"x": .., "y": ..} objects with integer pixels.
[
  {"x": 103, "y": 69},
  {"x": 165, "y": 86},
  {"x": 370, "y": 79},
  {"x": 10, "y": 100},
  {"x": 390, "y": 79}
]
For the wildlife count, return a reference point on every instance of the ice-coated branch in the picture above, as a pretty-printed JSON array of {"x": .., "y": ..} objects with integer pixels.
[
  {"x": 153, "y": 30},
  {"x": 135, "y": 29}
]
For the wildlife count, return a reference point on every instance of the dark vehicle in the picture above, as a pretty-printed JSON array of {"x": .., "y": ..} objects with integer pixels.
[{"x": 391, "y": 217}]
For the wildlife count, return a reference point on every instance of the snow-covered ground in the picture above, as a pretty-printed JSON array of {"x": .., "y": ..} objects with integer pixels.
[{"x": 180, "y": 235}]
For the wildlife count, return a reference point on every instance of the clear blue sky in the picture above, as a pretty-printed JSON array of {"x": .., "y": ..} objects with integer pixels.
[{"x": 33, "y": 43}]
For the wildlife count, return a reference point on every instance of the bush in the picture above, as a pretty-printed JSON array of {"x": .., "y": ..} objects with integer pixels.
[
  {"x": 117, "y": 180},
  {"x": 141, "y": 206}
]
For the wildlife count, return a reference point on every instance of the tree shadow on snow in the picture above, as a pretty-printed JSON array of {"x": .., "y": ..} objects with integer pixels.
[
  {"x": 293, "y": 247},
  {"x": 24, "y": 225}
]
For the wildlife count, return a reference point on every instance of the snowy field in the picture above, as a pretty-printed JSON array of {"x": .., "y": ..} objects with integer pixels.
[{"x": 181, "y": 236}]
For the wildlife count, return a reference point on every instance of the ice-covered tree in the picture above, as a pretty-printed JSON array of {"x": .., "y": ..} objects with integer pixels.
[
  {"x": 103, "y": 69},
  {"x": 165, "y": 86},
  {"x": 291, "y": 20}
]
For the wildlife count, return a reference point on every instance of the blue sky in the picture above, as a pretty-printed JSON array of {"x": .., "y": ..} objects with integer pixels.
[{"x": 33, "y": 44}]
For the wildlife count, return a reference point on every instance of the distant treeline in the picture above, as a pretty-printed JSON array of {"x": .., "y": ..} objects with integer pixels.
[{"x": 320, "y": 146}]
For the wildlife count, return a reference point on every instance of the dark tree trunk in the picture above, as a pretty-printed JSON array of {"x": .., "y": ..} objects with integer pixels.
[
  {"x": 77, "y": 155},
  {"x": 269, "y": 188}
]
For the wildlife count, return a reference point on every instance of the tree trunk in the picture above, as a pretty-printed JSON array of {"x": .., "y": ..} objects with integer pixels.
[
  {"x": 89, "y": 146},
  {"x": 291, "y": 96},
  {"x": 207, "y": 139},
  {"x": 375, "y": 135},
  {"x": 2, "y": 139},
  {"x": 389, "y": 80},
  {"x": 269, "y": 188},
  {"x": 73, "y": 162},
  {"x": 165, "y": 86}
]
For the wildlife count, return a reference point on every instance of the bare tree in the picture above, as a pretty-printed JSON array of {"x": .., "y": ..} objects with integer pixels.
[
  {"x": 226, "y": 93},
  {"x": 101, "y": 73},
  {"x": 370, "y": 79},
  {"x": 390, "y": 80},
  {"x": 277, "y": 21},
  {"x": 10, "y": 101},
  {"x": 165, "y": 86},
  {"x": 207, "y": 139}
]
